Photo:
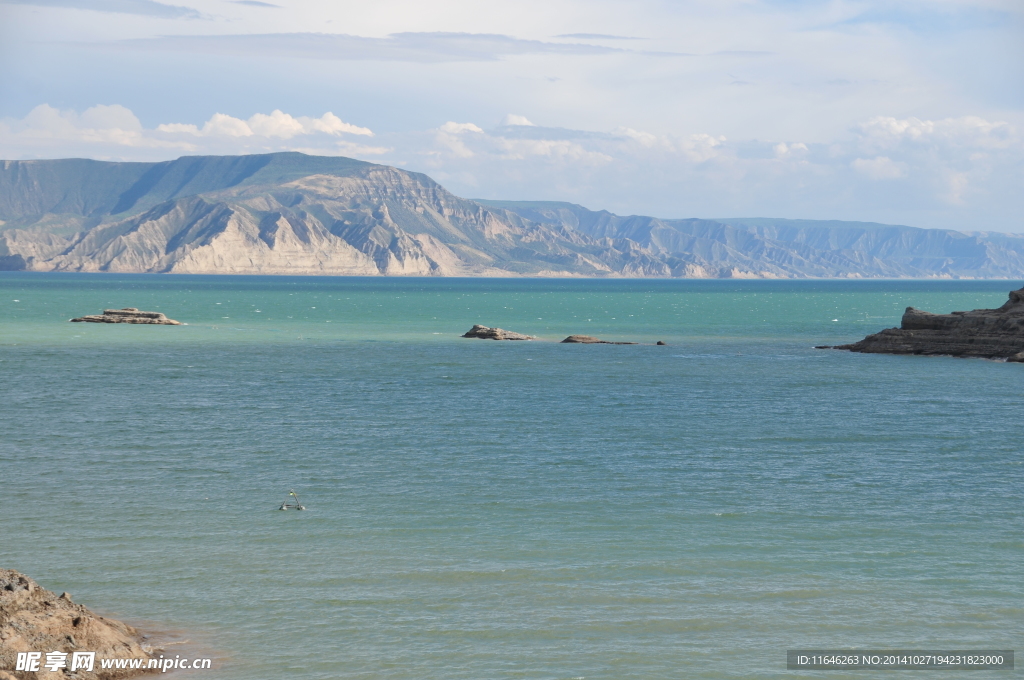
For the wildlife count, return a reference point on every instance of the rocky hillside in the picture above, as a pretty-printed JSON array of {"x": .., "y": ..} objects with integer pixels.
[
  {"x": 272, "y": 214},
  {"x": 289, "y": 213}
]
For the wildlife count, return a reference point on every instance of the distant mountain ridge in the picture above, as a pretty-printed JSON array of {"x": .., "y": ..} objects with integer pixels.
[
  {"x": 30, "y": 190},
  {"x": 289, "y": 213},
  {"x": 772, "y": 247}
]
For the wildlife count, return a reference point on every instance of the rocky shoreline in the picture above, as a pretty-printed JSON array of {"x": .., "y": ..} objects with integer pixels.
[
  {"x": 33, "y": 619},
  {"x": 982, "y": 333},
  {"x": 128, "y": 315}
]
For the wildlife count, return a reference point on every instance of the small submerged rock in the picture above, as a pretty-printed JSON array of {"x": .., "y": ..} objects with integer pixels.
[
  {"x": 487, "y": 333},
  {"x": 128, "y": 315},
  {"x": 591, "y": 340}
]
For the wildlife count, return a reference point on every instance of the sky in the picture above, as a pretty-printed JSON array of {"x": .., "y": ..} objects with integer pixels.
[{"x": 897, "y": 111}]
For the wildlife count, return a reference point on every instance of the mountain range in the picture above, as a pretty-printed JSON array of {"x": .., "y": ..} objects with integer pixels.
[{"x": 289, "y": 213}]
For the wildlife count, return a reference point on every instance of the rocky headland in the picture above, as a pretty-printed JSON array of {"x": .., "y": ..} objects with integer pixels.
[
  {"x": 487, "y": 333},
  {"x": 984, "y": 333},
  {"x": 128, "y": 315},
  {"x": 33, "y": 619}
]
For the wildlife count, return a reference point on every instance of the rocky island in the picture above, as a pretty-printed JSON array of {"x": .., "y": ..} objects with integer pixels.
[
  {"x": 128, "y": 315},
  {"x": 487, "y": 333},
  {"x": 33, "y": 619},
  {"x": 984, "y": 333},
  {"x": 591, "y": 340}
]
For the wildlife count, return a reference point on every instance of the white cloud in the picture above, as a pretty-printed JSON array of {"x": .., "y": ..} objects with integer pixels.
[
  {"x": 513, "y": 119},
  {"x": 110, "y": 117},
  {"x": 559, "y": 149},
  {"x": 959, "y": 173},
  {"x": 224, "y": 125},
  {"x": 147, "y": 8},
  {"x": 783, "y": 150},
  {"x": 407, "y": 46},
  {"x": 456, "y": 128},
  {"x": 958, "y": 184},
  {"x": 333, "y": 125},
  {"x": 644, "y": 138},
  {"x": 969, "y": 131},
  {"x": 114, "y": 132},
  {"x": 276, "y": 124},
  {"x": 402, "y": 65},
  {"x": 100, "y": 125},
  {"x": 879, "y": 167},
  {"x": 701, "y": 147}
]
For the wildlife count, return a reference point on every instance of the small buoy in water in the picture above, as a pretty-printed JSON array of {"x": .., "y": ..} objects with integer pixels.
[{"x": 297, "y": 505}]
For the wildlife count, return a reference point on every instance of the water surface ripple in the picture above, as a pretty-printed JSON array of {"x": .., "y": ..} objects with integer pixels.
[{"x": 481, "y": 509}]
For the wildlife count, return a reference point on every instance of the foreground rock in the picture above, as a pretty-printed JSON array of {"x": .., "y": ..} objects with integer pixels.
[
  {"x": 33, "y": 619},
  {"x": 486, "y": 333},
  {"x": 984, "y": 333},
  {"x": 591, "y": 340},
  {"x": 128, "y": 315}
]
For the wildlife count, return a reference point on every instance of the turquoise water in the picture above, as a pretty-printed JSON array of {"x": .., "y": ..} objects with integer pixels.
[{"x": 481, "y": 509}]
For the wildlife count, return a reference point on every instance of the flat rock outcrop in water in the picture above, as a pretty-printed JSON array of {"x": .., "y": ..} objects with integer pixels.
[
  {"x": 487, "y": 333},
  {"x": 984, "y": 333},
  {"x": 128, "y": 315},
  {"x": 591, "y": 340},
  {"x": 33, "y": 619}
]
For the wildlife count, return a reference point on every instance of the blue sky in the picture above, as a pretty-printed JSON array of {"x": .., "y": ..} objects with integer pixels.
[{"x": 905, "y": 111}]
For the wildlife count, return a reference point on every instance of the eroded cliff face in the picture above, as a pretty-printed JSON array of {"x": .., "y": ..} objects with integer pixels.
[
  {"x": 376, "y": 221},
  {"x": 985, "y": 333},
  {"x": 289, "y": 213},
  {"x": 781, "y": 248}
]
